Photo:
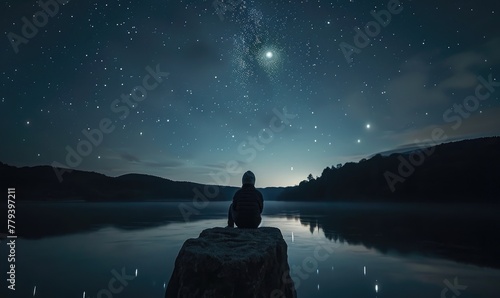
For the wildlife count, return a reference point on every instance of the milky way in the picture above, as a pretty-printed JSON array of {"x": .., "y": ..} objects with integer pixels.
[{"x": 178, "y": 89}]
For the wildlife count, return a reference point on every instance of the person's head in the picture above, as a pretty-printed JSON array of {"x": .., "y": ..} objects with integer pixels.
[{"x": 248, "y": 178}]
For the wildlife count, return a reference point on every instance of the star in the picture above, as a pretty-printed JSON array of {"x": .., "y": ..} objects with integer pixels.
[
  {"x": 270, "y": 59},
  {"x": 286, "y": 69}
]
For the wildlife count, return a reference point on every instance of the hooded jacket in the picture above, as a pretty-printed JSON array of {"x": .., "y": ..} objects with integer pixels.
[{"x": 248, "y": 204}]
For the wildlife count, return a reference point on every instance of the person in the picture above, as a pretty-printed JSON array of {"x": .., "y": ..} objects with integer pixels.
[{"x": 247, "y": 205}]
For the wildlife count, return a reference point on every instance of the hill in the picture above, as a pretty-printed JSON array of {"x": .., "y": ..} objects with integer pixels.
[
  {"x": 40, "y": 183},
  {"x": 463, "y": 171}
]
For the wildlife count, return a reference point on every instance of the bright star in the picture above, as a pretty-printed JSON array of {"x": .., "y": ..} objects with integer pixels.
[
  {"x": 368, "y": 126},
  {"x": 270, "y": 59}
]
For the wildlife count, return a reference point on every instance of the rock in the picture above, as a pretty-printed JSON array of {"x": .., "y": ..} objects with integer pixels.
[{"x": 231, "y": 262}]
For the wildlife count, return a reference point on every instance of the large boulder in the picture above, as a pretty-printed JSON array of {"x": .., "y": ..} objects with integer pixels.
[{"x": 231, "y": 262}]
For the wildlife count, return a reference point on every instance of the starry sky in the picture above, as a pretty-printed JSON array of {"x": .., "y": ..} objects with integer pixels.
[{"x": 205, "y": 90}]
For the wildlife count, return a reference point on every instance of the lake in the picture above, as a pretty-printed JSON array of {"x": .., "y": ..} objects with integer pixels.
[{"x": 366, "y": 250}]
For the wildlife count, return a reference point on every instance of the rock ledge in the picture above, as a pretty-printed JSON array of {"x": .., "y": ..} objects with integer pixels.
[{"x": 229, "y": 262}]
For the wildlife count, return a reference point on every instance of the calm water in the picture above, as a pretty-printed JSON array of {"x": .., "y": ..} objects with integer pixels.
[{"x": 71, "y": 249}]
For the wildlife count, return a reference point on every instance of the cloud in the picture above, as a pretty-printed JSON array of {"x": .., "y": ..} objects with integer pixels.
[
  {"x": 464, "y": 61},
  {"x": 163, "y": 164},
  {"x": 129, "y": 157},
  {"x": 461, "y": 80},
  {"x": 169, "y": 163},
  {"x": 414, "y": 91},
  {"x": 424, "y": 85},
  {"x": 478, "y": 124},
  {"x": 491, "y": 49}
]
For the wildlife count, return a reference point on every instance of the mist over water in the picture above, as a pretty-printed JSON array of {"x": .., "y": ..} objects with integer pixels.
[{"x": 334, "y": 250}]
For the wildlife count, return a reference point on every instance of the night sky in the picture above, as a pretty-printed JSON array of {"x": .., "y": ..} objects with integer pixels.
[{"x": 187, "y": 89}]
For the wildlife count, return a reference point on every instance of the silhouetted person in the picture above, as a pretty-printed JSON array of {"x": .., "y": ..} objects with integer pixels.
[{"x": 247, "y": 205}]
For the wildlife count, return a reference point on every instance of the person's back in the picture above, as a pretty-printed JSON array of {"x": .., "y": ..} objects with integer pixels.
[{"x": 247, "y": 205}]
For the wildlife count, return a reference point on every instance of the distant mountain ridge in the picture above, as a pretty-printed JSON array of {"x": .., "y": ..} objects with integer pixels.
[
  {"x": 40, "y": 183},
  {"x": 461, "y": 171},
  {"x": 457, "y": 171}
]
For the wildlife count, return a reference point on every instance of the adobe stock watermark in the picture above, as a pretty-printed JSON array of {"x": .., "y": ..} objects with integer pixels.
[
  {"x": 221, "y": 6},
  {"x": 40, "y": 19},
  {"x": 455, "y": 115},
  {"x": 116, "y": 284},
  {"x": 371, "y": 30},
  {"x": 454, "y": 288},
  {"x": 92, "y": 138},
  {"x": 11, "y": 237},
  {"x": 247, "y": 148},
  {"x": 309, "y": 265}
]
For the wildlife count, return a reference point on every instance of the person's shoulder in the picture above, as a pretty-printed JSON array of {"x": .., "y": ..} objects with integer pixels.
[{"x": 238, "y": 192}]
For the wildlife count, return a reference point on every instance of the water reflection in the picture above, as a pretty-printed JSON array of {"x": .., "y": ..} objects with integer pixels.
[
  {"x": 330, "y": 248},
  {"x": 465, "y": 233}
]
